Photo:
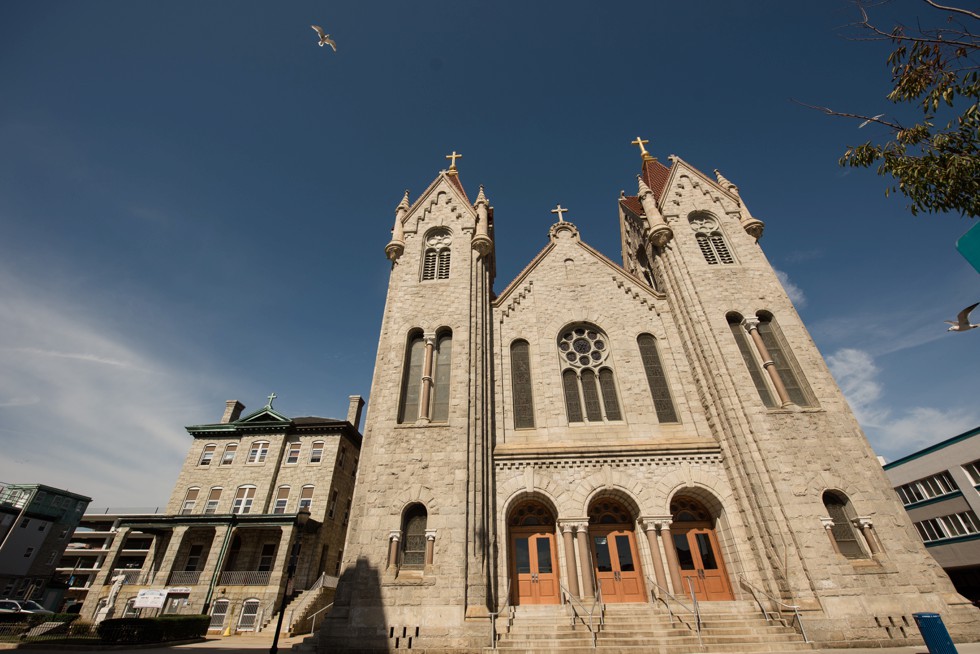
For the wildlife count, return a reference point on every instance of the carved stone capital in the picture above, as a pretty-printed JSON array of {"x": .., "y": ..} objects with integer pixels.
[
  {"x": 395, "y": 535},
  {"x": 482, "y": 244},
  {"x": 394, "y": 250},
  {"x": 661, "y": 235},
  {"x": 750, "y": 323},
  {"x": 754, "y": 227},
  {"x": 827, "y": 522},
  {"x": 430, "y": 534}
]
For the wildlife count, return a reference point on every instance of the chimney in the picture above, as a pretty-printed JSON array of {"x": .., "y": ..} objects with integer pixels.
[
  {"x": 233, "y": 411},
  {"x": 354, "y": 411}
]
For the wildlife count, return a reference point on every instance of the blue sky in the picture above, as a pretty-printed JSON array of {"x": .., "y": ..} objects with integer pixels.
[{"x": 195, "y": 199}]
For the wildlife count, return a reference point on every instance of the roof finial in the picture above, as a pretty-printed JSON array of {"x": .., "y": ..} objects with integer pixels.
[
  {"x": 452, "y": 161},
  {"x": 404, "y": 204},
  {"x": 643, "y": 151},
  {"x": 272, "y": 396},
  {"x": 560, "y": 211}
]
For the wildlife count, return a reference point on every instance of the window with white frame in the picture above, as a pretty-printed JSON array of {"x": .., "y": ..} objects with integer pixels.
[
  {"x": 316, "y": 452},
  {"x": 214, "y": 496},
  {"x": 229, "y": 454},
  {"x": 292, "y": 454},
  {"x": 927, "y": 488},
  {"x": 207, "y": 455},
  {"x": 243, "y": 500},
  {"x": 282, "y": 498},
  {"x": 949, "y": 526},
  {"x": 306, "y": 498},
  {"x": 260, "y": 449},
  {"x": 190, "y": 501}
]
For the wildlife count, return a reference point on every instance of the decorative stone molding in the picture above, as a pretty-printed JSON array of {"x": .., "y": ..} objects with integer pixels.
[
  {"x": 516, "y": 298},
  {"x": 563, "y": 230}
]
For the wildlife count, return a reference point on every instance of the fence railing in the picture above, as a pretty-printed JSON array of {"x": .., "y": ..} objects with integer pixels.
[
  {"x": 781, "y": 606},
  {"x": 495, "y": 614},
  {"x": 184, "y": 578},
  {"x": 245, "y": 578},
  {"x": 570, "y": 600},
  {"x": 130, "y": 576},
  {"x": 673, "y": 604}
]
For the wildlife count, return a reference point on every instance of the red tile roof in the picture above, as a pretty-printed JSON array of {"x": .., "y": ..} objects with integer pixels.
[
  {"x": 655, "y": 175},
  {"x": 455, "y": 180},
  {"x": 632, "y": 204}
]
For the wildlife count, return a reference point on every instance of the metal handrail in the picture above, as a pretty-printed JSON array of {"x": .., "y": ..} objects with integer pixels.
[
  {"x": 312, "y": 616},
  {"x": 494, "y": 614},
  {"x": 755, "y": 595},
  {"x": 571, "y": 601},
  {"x": 696, "y": 612}
]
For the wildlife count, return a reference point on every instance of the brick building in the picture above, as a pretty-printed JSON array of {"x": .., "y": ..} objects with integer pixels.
[
  {"x": 625, "y": 435},
  {"x": 224, "y": 543}
]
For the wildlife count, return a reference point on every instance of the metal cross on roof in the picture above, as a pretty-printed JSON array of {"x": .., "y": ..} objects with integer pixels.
[
  {"x": 454, "y": 156},
  {"x": 272, "y": 396},
  {"x": 641, "y": 142},
  {"x": 559, "y": 210}
]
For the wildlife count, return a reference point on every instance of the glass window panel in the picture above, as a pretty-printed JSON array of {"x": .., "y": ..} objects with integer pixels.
[
  {"x": 782, "y": 362},
  {"x": 409, "y": 410},
  {"x": 602, "y": 561},
  {"x": 685, "y": 559},
  {"x": 656, "y": 378},
  {"x": 707, "y": 553},
  {"x": 591, "y": 396},
  {"x": 625, "y": 554},
  {"x": 609, "y": 400},
  {"x": 520, "y": 364},
  {"x": 755, "y": 372},
  {"x": 522, "y": 556},
  {"x": 443, "y": 359},
  {"x": 572, "y": 404},
  {"x": 544, "y": 554}
]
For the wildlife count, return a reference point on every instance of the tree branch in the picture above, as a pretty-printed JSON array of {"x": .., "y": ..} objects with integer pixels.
[
  {"x": 840, "y": 114},
  {"x": 954, "y": 9}
]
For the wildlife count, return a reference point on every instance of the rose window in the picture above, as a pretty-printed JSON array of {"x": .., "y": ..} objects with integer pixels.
[{"x": 583, "y": 347}]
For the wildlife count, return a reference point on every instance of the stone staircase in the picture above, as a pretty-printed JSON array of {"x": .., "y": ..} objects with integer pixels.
[{"x": 736, "y": 626}]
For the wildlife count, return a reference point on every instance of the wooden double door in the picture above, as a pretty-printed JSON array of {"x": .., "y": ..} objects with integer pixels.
[
  {"x": 701, "y": 566},
  {"x": 534, "y": 567},
  {"x": 617, "y": 564}
]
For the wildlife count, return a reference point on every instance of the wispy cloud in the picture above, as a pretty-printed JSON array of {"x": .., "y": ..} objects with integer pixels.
[
  {"x": 794, "y": 292},
  {"x": 85, "y": 407},
  {"x": 892, "y": 433},
  {"x": 800, "y": 256}
]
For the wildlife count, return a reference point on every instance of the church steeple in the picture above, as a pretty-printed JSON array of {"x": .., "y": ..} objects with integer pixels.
[
  {"x": 660, "y": 234},
  {"x": 482, "y": 242},
  {"x": 396, "y": 247}
]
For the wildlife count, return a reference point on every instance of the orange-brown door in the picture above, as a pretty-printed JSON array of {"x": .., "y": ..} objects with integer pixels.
[
  {"x": 617, "y": 566},
  {"x": 702, "y": 568},
  {"x": 535, "y": 567}
]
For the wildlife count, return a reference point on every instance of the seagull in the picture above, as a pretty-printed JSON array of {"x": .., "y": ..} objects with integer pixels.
[
  {"x": 865, "y": 122},
  {"x": 962, "y": 323},
  {"x": 324, "y": 38}
]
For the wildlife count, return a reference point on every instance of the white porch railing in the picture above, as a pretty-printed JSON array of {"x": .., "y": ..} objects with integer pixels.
[
  {"x": 130, "y": 576},
  {"x": 245, "y": 578}
]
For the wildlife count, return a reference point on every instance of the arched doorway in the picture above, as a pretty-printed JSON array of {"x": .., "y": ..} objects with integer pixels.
[
  {"x": 698, "y": 555},
  {"x": 614, "y": 554},
  {"x": 534, "y": 560}
]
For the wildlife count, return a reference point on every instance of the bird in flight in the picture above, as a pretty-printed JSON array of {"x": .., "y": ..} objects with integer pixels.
[
  {"x": 324, "y": 38},
  {"x": 874, "y": 118},
  {"x": 962, "y": 323}
]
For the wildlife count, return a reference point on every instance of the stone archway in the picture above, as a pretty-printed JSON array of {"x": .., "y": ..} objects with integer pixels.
[
  {"x": 615, "y": 557},
  {"x": 700, "y": 564},
  {"x": 533, "y": 555}
]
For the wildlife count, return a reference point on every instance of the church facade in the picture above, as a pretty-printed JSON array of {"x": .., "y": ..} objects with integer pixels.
[{"x": 638, "y": 432}]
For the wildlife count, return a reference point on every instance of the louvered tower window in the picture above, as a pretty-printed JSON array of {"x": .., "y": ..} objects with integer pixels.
[
  {"x": 656, "y": 378},
  {"x": 435, "y": 259},
  {"x": 587, "y": 378},
  {"x": 520, "y": 372},
  {"x": 711, "y": 242}
]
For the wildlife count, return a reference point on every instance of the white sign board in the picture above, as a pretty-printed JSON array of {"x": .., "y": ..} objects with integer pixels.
[{"x": 150, "y": 599}]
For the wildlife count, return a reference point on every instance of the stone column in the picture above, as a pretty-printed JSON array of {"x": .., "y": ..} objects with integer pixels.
[
  {"x": 653, "y": 537},
  {"x": 828, "y": 525},
  {"x": 571, "y": 572},
  {"x": 394, "y": 537},
  {"x": 426, "y": 390},
  {"x": 283, "y": 554},
  {"x": 169, "y": 558},
  {"x": 672, "y": 565},
  {"x": 430, "y": 546},
  {"x": 582, "y": 535},
  {"x": 751, "y": 325},
  {"x": 867, "y": 530},
  {"x": 215, "y": 561}
]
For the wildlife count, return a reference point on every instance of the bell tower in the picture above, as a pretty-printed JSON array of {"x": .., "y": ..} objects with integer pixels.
[{"x": 418, "y": 557}]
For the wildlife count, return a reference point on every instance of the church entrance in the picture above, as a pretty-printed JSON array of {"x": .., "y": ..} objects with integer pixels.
[
  {"x": 698, "y": 555},
  {"x": 534, "y": 559},
  {"x": 614, "y": 555}
]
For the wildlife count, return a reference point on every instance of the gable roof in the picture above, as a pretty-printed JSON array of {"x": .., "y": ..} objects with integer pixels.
[{"x": 452, "y": 181}]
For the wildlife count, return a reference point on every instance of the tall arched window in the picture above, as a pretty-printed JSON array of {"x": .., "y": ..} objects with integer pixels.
[
  {"x": 414, "y": 356},
  {"x": 587, "y": 378},
  {"x": 746, "y": 350},
  {"x": 190, "y": 500},
  {"x": 243, "y": 500},
  {"x": 783, "y": 359},
  {"x": 520, "y": 373},
  {"x": 842, "y": 531},
  {"x": 282, "y": 499},
  {"x": 710, "y": 239},
  {"x": 656, "y": 378},
  {"x": 441, "y": 364},
  {"x": 413, "y": 536},
  {"x": 435, "y": 259}
]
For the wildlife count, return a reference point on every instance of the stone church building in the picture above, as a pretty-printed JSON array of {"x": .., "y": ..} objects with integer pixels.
[{"x": 623, "y": 435}]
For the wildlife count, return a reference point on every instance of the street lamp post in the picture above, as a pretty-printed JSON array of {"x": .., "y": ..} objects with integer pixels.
[{"x": 301, "y": 518}]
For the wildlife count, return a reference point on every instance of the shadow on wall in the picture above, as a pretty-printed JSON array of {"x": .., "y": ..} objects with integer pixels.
[{"x": 357, "y": 619}]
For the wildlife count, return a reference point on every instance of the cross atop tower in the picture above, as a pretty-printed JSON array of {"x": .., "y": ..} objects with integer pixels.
[
  {"x": 560, "y": 211},
  {"x": 272, "y": 396},
  {"x": 643, "y": 151},
  {"x": 453, "y": 157}
]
